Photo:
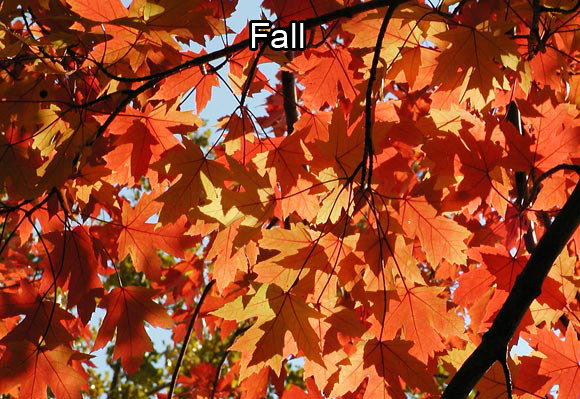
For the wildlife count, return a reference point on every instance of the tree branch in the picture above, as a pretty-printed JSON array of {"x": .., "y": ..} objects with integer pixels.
[
  {"x": 289, "y": 93},
  {"x": 459, "y": 8},
  {"x": 513, "y": 116},
  {"x": 346, "y": 12},
  {"x": 369, "y": 101},
  {"x": 538, "y": 182},
  {"x": 186, "y": 339},
  {"x": 239, "y": 331},
  {"x": 151, "y": 80},
  {"x": 507, "y": 374},
  {"x": 115, "y": 379},
  {"x": 560, "y": 10},
  {"x": 527, "y": 287}
]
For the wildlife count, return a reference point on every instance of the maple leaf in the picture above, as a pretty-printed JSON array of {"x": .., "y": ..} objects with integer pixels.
[
  {"x": 562, "y": 361},
  {"x": 416, "y": 311},
  {"x": 149, "y": 134},
  {"x": 560, "y": 293},
  {"x": 415, "y": 66},
  {"x": 192, "y": 78},
  {"x": 284, "y": 159},
  {"x": 324, "y": 72},
  {"x": 127, "y": 310},
  {"x": 554, "y": 129},
  {"x": 472, "y": 58},
  {"x": 300, "y": 199},
  {"x": 74, "y": 266},
  {"x": 230, "y": 253},
  {"x": 277, "y": 313},
  {"x": 525, "y": 379},
  {"x": 34, "y": 369},
  {"x": 547, "y": 68},
  {"x": 187, "y": 163},
  {"x": 344, "y": 148},
  {"x": 126, "y": 42},
  {"x": 17, "y": 166},
  {"x": 141, "y": 240},
  {"x": 497, "y": 266},
  {"x": 288, "y": 11},
  {"x": 385, "y": 364},
  {"x": 300, "y": 252},
  {"x": 251, "y": 197},
  {"x": 187, "y": 21},
  {"x": 441, "y": 237},
  {"x": 314, "y": 126},
  {"x": 474, "y": 157},
  {"x": 403, "y": 45},
  {"x": 99, "y": 12},
  {"x": 43, "y": 321}
]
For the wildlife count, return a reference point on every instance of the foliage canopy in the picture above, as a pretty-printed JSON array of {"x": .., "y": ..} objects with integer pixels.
[{"x": 408, "y": 166}]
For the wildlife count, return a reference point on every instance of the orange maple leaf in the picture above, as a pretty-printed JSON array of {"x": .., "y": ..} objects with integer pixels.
[{"x": 562, "y": 362}]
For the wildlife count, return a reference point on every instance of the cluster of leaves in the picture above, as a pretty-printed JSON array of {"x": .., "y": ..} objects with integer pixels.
[{"x": 372, "y": 224}]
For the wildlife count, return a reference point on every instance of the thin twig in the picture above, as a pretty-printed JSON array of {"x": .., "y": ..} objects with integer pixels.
[
  {"x": 559, "y": 10},
  {"x": 24, "y": 217},
  {"x": 115, "y": 379},
  {"x": 459, "y": 7},
  {"x": 239, "y": 331},
  {"x": 346, "y": 12},
  {"x": 369, "y": 102},
  {"x": 538, "y": 182},
  {"x": 507, "y": 374},
  {"x": 187, "y": 337},
  {"x": 156, "y": 389}
]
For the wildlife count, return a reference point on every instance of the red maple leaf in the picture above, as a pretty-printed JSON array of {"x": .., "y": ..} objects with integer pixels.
[{"x": 127, "y": 310}]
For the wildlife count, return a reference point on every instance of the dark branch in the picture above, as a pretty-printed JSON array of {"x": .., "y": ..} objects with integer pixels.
[
  {"x": 369, "y": 101},
  {"x": 239, "y": 331},
  {"x": 507, "y": 374},
  {"x": 151, "y": 80},
  {"x": 289, "y": 94},
  {"x": 346, "y": 12},
  {"x": 186, "y": 339},
  {"x": 459, "y": 7},
  {"x": 115, "y": 379},
  {"x": 534, "y": 37},
  {"x": 558, "y": 10},
  {"x": 527, "y": 287},
  {"x": 251, "y": 74},
  {"x": 513, "y": 116},
  {"x": 538, "y": 182}
]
